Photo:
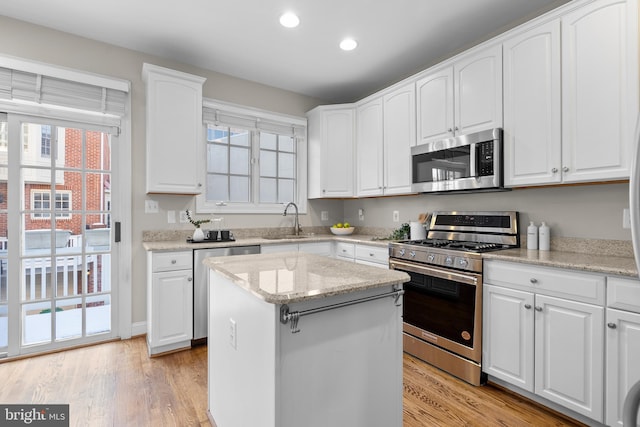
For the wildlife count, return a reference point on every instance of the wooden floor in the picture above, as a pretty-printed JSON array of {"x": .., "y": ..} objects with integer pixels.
[{"x": 116, "y": 384}]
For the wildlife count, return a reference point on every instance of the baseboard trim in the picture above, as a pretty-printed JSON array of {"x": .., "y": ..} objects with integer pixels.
[{"x": 138, "y": 328}]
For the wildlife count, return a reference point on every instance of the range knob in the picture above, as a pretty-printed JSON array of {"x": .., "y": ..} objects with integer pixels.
[
  {"x": 431, "y": 257},
  {"x": 401, "y": 252},
  {"x": 412, "y": 254},
  {"x": 448, "y": 260},
  {"x": 462, "y": 262}
]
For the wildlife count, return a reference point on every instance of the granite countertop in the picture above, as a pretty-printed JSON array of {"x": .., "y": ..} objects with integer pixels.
[
  {"x": 173, "y": 245},
  {"x": 289, "y": 277},
  {"x": 597, "y": 263}
]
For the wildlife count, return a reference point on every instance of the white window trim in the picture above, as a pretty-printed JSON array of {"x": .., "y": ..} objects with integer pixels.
[{"x": 204, "y": 207}]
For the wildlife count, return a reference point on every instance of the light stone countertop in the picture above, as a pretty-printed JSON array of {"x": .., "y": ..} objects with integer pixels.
[
  {"x": 175, "y": 245},
  {"x": 593, "y": 262},
  {"x": 290, "y": 277}
]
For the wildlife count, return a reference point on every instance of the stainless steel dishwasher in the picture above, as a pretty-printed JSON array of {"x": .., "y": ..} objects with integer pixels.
[{"x": 201, "y": 285}]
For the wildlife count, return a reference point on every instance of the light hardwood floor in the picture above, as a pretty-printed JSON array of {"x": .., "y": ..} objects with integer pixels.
[{"x": 116, "y": 384}]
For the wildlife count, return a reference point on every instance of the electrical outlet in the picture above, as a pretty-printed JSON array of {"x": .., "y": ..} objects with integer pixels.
[
  {"x": 361, "y": 214},
  {"x": 396, "y": 216},
  {"x": 183, "y": 217},
  {"x": 233, "y": 336},
  {"x": 626, "y": 218},
  {"x": 171, "y": 217},
  {"x": 150, "y": 206},
  {"x": 324, "y": 215}
]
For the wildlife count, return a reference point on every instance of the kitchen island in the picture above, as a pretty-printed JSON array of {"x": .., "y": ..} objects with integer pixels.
[{"x": 304, "y": 340}]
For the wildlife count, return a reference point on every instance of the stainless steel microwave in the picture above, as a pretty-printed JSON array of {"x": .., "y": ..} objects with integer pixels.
[{"x": 464, "y": 163}]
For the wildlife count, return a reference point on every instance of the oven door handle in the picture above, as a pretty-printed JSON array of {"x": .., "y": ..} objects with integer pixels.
[{"x": 469, "y": 279}]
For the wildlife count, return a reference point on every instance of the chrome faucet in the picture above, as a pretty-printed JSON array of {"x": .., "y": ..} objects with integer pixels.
[{"x": 296, "y": 223}]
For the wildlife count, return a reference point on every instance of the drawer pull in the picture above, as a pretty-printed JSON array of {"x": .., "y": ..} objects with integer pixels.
[
  {"x": 370, "y": 254},
  {"x": 538, "y": 308},
  {"x": 173, "y": 261},
  {"x": 527, "y": 306},
  {"x": 533, "y": 280},
  {"x": 189, "y": 279},
  {"x": 612, "y": 325}
]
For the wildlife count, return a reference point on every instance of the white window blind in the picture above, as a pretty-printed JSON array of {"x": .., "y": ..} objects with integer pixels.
[
  {"x": 42, "y": 89},
  {"x": 216, "y": 113}
]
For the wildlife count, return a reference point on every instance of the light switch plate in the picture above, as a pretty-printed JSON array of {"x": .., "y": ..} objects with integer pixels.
[
  {"x": 171, "y": 217},
  {"x": 150, "y": 206},
  {"x": 183, "y": 217},
  {"x": 396, "y": 216},
  {"x": 324, "y": 215}
]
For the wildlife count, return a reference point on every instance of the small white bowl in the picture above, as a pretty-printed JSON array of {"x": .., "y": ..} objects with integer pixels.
[{"x": 342, "y": 231}]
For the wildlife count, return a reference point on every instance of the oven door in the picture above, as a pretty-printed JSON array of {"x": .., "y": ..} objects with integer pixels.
[{"x": 443, "y": 307}]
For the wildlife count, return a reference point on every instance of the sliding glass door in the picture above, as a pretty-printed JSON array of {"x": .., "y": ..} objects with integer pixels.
[{"x": 56, "y": 268}]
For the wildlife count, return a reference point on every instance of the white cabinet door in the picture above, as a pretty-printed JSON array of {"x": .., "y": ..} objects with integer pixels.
[
  {"x": 331, "y": 150},
  {"x": 435, "y": 105},
  {"x": 399, "y": 137},
  {"x": 623, "y": 369},
  {"x": 599, "y": 90},
  {"x": 369, "y": 159},
  {"x": 175, "y": 147},
  {"x": 172, "y": 308},
  {"x": 532, "y": 131},
  {"x": 317, "y": 248},
  {"x": 272, "y": 249},
  {"x": 477, "y": 85},
  {"x": 508, "y": 335},
  {"x": 569, "y": 354}
]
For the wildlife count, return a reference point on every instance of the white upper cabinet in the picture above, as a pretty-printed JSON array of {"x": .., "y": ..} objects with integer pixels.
[
  {"x": 461, "y": 98},
  {"x": 477, "y": 80},
  {"x": 175, "y": 146},
  {"x": 370, "y": 148},
  {"x": 386, "y": 133},
  {"x": 331, "y": 151},
  {"x": 532, "y": 130},
  {"x": 435, "y": 105},
  {"x": 599, "y": 90},
  {"x": 399, "y": 137}
]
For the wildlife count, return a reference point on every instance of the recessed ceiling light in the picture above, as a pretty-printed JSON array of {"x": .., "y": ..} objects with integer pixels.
[
  {"x": 348, "y": 44},
  {"x": 289, "y": 20}
]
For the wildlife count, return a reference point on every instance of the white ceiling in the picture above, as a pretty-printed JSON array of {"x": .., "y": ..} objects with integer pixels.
[{"x": 243, "y": 38}]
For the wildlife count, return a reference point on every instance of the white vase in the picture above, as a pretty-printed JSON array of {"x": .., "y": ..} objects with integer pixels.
[{"x": 198, "y": 235}]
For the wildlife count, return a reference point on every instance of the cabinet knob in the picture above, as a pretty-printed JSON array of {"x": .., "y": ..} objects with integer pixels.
[
  {"x": 538, "y": 308},
  {"x": 527, "y": 306},
  {"x": 173, "y": 261},
  {"x": 199, "y": 185},
  {"x": 533, "y": 280},
  {"x": 370, "y": 254},
  {"x": 449, "y": 130},
  {"x": 456, "y": 129},
  {"x": 612, "y": 325},
  {"x": 554, "y": 170},
  {"x": 189, "y": 279},
  {"x": 565, "y": 169}
]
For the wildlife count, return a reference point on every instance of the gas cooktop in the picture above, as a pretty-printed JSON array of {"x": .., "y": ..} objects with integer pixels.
[
  {"x": 456, "y": 239},
  {"x": 456, "y": 245}
]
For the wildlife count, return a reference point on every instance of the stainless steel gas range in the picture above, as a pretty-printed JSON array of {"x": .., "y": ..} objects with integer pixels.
[{"x": 442, "y": 308}]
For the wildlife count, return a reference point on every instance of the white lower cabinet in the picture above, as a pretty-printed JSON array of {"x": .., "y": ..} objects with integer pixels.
[
  {"x": 543, "y": 332},
  {"x": 169, "y": 301},
  {"x": 375, "y": 256},
  {"x": 623, "y": 344},
  {"x": 318, "y": 248}
]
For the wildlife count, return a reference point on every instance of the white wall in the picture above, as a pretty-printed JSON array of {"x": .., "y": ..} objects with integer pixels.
[{"x": 586, "y": 211}]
